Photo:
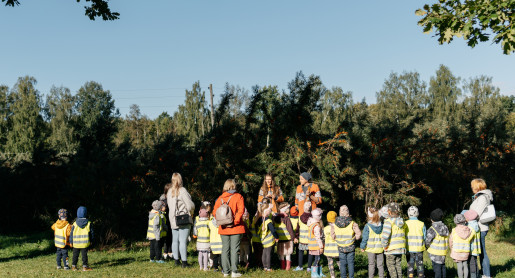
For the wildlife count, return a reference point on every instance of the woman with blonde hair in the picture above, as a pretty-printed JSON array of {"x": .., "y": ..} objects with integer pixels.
[
  {"x": 231, "y": 233},
  {"x": 179, "y": 204},
  {"x": 272, "y": 191},
  {"x": 481, "y": 199}
]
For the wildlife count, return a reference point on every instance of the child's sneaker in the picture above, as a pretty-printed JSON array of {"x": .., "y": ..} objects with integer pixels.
[
  {"x": 74, "y": 268},
  {"x": 59, "y": 267},
  {"x": 66, "y": 268},
  {"x": 298, "y": 268},
  {"x": 160, "y": 262},
  {"x": 152, "y": 261},
  {"x": 86, "y": 268}
]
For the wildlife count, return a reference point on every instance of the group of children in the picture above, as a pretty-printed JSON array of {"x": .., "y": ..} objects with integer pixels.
[{"x": 77, "y": 235}]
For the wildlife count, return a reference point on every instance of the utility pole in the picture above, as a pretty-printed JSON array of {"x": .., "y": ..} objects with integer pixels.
[{"x": 212, "y": 107}]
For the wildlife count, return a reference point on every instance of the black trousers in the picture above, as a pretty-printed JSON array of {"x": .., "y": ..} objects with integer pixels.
[
  {"x": 62, "y": 254},
  {"x": 83, "y": 252},
  {"x": 155, "y": 249}
]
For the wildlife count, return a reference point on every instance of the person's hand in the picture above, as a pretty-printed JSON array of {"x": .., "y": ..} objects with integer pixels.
[
  {"x": 321, "y": 250},
  {"x": 269, "y": 195},
  {"x": 295, "y": 241},
  {"x": 194, "y": 236},
  {"x": 276, "y": 240},
  {"x": 312, "y": 198},
  {"x": 362, "y": 250}
]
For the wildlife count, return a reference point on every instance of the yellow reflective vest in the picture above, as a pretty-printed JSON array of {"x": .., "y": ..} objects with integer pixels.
[
  {"x": 150, "y": 229},
  {"x": 267, "y": 239},
  {"x": 81, "y": 236},
  {"x": 215, "y": 240},
  {"x": 255, "y": 235},
  {"x": 459, "y": 244},
  {"x": 202, "y": 227},
  {"x": 60, "y": 238},
  {"x": 281, "y": 230},
  {"x": 303, "y": 233},
  {"x": 312, "y": 241},
  {"x": 415, "y": 236},
  {"x": 373, "y": 242},
  {"x": 439, "y": 245},
  {"x": 475, "y": 243},
  {"x": 397, "y": 237},
  {"x": 163, "y": 224},
  {"x": 330, "y": 245},
  {"x": 345, "y": 236}
]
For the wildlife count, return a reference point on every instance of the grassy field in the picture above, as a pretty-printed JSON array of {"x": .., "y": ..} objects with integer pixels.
[{"x": 34, "y": 256}]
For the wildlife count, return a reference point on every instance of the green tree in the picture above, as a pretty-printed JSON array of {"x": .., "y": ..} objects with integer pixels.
[
  {"x": 60, "y": 113},
  {"x": 98, "y": 8},
  {"x": 443, "y": 94},
  {"x": 474, "y": 20},
  {"x": 4, "y": 113},
  {"x": 26, "y": 132},
  {"x": 192, "y": 118},
  {"x": 335, "y": 109}
]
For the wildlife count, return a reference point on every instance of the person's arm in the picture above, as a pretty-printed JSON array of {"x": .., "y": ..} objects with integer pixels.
[
  {"x": 315, "y": 194},
  {"x": 450, "y": 241},
  {"x": 155, "y": 227},
  {"x": 71, "y": 235},
  {"x": 91, "y": 233},
  {"x": 240, "y": 209},
  {"x": 289, "y": 228},
  {"x": 318, "y": 236},
  {"x": 479, "y": 204},
  {"x": 261, "y": 195},
  {"x": 424, "y": 232},
  {"x": 280, "y": 197},
  {"x": 385, "y": 235},
  {"x": 429, "y": 237},
  {"x": 297, "y": 196},
  {"x": 271, "y": 227},
  {"x": 53, "y": 226},
  {"x": 186, "y": 198},
  {"x": 364, "y": 240}
]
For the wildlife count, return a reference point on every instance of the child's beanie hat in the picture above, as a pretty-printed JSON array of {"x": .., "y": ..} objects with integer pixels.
[
  {"x": 294, "y": 211},
  {"x": 63, "y": 214},
  {"x": 344, "y": 211},
  {"x": 383, "y": 212},
  {"x": 413, "y": 211},
  {"x": 317, "y": 214},
  {"x": 394, "y": 208},
  {"x": 436, "y": 215},
  {"x": 459, "y": 219},
  {"x": 331, "y": 216},
  {"x": 470, "y": 215},
  {"x": 156, "y": 205},
  {"x": 284, "y": 207}
]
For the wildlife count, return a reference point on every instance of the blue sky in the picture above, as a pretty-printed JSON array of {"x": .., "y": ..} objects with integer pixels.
[{"x": 159, "y": 48}]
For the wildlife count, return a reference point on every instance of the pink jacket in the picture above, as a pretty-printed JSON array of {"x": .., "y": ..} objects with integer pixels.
[{"x": 463, "y": 232}]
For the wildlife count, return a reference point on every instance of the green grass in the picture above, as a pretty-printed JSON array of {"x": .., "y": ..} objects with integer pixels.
[{"x": 34, "y": 256}]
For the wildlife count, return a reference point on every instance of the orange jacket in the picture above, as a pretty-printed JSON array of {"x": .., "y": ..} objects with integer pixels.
[
  {"x": 238, "y": 208},
  {"x": 279, "y": 199},
  {"x": 300, "y": 197}
]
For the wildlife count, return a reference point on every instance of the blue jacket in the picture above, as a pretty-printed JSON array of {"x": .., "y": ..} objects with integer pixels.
[{"x": 82, "y": 221}]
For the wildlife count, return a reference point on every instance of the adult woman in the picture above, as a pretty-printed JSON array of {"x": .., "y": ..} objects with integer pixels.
[
  {"x": 179, "y": 203},
  {"x": 271, "y": 191},
  {"x": 481, "y": 199},
  {"x": 307, "y": 192},
  {"x": 231, "y": 234}
]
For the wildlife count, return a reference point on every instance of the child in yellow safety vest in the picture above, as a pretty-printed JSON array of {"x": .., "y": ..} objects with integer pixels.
[
  {"x": 316, "y": 243},
  {"x": 459, "y": 243},
  {"x": 156, "y": 231},
  {"x": 371, "y": 243},
  {"x": 245, "y": 245},
  {"x": 303, "y": 238},
  {"x": 62, "y": 231},
  {"x": 475, "y": 244},
  {"x": 268, "y": 236},
  {"x": 257, "y": 247},
  {"x": 415, "y": 236},
  {"x": 284, "y": 229},
  {"x": 294, "y": 219},
  {"x": 202, "y": 234},
  {"x": 330, "y": 245},
  {"x": 215, "y": 241},
  {"x": 81, "y": 236},
  {"x": 437, "y": 242},
  {"x": 393, "y": 240},
  {"x": 347, "y": 232}
]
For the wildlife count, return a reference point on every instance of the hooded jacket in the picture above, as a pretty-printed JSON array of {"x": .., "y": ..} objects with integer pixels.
[
  {"x": 82, "y": 221},
  {"x": 182, "y": 203},
  {"x": 376, "y": 228},
  {"x": 440, "y": 227},
  {"x": 480, "y": 201},
  {"x": 59, "y": 224},
  {"x": 237, "y": 206},
  {"x": 155, "y": 225},
  {"x": 387, "y": 233},
  {"x": 463, "y": 232},
  {"x": 342, "y": 222}
]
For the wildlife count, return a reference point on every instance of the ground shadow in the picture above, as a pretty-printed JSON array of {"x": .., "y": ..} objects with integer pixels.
[
  {"x": 117, "y": 262},
  {"x": 30, "y": 254},
  {"x": 506, "y": 267}
]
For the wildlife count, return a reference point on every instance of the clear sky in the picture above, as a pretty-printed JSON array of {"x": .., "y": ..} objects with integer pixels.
[{"x": 159, "y": 48}]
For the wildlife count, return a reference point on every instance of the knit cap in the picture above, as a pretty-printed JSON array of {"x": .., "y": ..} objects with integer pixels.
[
  {"x": 344, "y": 211},
  {"x": 203, "y": 213},
  {"x": 459, "y": 219},
  {"x": 394, "y": 208},
  {"x": 413, "y": 211},
  {"x": 470, "y": 215},
  {"x": 284, "y": 207},
  {"x": 306, "y": 176},
  {"x": 436, "y": 215},
  {"x": 307, "y": 206},
  {"x": 383, "y": 212},
  {"x": 294, "y": 211},
  {"x": 157, "y": 205},
  {"x": 317, "y": 214},
  {"x": 62, "y": 214},
  {"x": 331, "y": 216}
]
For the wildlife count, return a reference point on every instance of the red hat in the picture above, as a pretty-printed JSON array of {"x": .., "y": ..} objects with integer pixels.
[{"x": 294, "y": 211}]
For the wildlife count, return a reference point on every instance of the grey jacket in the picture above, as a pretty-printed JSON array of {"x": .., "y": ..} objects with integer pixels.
[
  {"x": 184, "y": 205},
  {"x": 481, "y": 200}
]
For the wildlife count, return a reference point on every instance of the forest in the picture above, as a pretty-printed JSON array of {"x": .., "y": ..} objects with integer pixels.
[{"x": 420, "y": 143}]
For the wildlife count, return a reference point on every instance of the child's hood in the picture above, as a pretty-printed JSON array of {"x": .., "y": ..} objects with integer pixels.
[
  {"x": 82, "y": 212},
  {"x": 376, "y": 227},
  {"x": 305, "y": 216},
  {"x": 462, "y": 231},
  {"x": 473, "y": 225},
  {"x": 397, "y": 221},
  {"x": 152, "y": 213},
  {"x": 61, "y": 223},
  {"x": 312, "y": 221},
  {"x": 342, "y": 221},
  {"x": 440, "y": 227}
]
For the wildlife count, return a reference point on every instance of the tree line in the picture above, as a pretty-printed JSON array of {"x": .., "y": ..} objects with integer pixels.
[{"x": 420, "y": 143}]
